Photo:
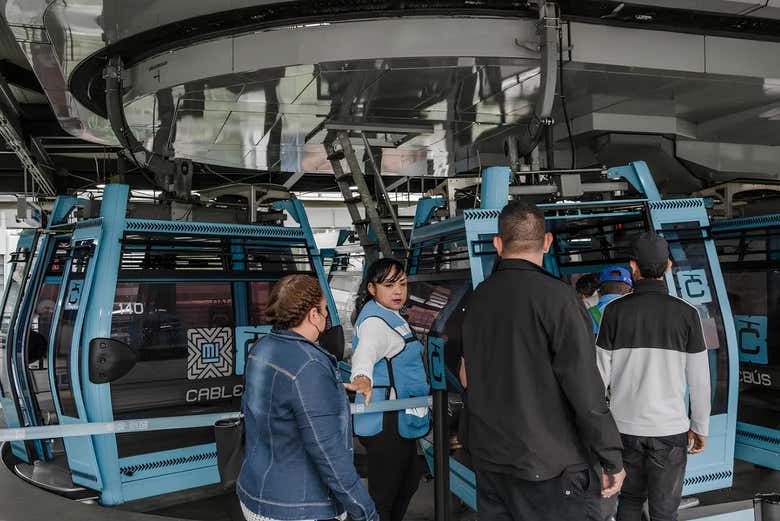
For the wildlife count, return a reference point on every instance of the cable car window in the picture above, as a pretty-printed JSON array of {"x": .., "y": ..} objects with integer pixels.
[
  {"x": 276, "y": 259},
  {"x": 182, "y": 333},
  {"x": 694, "y": 283},
  {"x": 15, "y": 280},
  {"x": 435, "y": 307},
  {"x": 588, "y": 244},
  {"x": 63, "y": 340},
  {"x": 38, "y": 338},
  {"x": 441, "y": 254},
  {"x": 41, "y": 322},
  {"x": 40, "y": 330},
  {"x": 752, "y": 276},
  {"x": 259, "y": 292}
]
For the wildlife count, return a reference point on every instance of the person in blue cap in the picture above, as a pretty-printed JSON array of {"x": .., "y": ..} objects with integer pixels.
[{"x": 614, "y": 282}]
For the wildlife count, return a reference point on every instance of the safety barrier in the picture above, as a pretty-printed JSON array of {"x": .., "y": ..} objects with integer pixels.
[{"x": 176, "y": 422}]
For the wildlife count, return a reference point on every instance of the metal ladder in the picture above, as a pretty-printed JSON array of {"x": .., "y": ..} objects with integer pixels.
[{"x": 373, "y": 221}]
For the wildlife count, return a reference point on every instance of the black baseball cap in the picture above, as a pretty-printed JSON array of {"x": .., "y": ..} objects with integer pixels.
[{"x": 650, "y": 249}]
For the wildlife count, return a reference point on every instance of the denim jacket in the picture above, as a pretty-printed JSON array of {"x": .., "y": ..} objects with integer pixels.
[{"x": 298, "y": 461}]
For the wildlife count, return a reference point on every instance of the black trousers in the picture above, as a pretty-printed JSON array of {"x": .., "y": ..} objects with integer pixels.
[
  {"x": 569, "y": 497},
  {"x": 655, "y": 469},
  {"x": 394, "y": 469}
]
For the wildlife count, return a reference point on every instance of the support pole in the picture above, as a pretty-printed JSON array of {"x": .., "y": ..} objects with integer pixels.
[
  {"x": 549, "y": 142},
  {"x": 495, "y": 187},
  {"x": 441, "y": 453}
]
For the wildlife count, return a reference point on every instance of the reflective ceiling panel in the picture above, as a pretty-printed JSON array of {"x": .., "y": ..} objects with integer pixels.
[
  {"x": 262, "y": 97},
  {"x": 270, "y": 119}
]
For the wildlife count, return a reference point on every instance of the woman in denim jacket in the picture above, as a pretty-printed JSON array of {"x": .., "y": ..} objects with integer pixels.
[{"x": 298, "y": 463}]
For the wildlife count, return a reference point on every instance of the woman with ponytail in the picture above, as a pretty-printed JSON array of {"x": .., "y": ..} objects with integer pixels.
[
  {"x": 298, "y": 463},
  {"x": 387, "y": 364}
]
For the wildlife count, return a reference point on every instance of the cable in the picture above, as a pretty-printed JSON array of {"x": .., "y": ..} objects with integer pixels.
[{"x": 563, "y": 100}]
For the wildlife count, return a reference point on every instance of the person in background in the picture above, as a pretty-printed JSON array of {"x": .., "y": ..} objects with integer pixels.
[
  {"x": 298, "y": 462},
  {"x": 387, "y": 363},
  {"x": 650, "y": 345},
  {"x": 537, "y": 410},
  {"x": 614, "y": 282},
  {"x": 587, "y": 286}
]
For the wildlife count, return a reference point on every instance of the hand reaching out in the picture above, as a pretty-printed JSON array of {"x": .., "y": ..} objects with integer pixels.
[{"x": 361, "y": 385}]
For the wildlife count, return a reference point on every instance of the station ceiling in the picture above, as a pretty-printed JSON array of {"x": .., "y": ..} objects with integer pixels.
[{"x": 253, "y": 102}]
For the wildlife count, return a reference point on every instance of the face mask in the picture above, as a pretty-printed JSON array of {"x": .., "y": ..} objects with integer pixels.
[{"x": 332, "y": 340}]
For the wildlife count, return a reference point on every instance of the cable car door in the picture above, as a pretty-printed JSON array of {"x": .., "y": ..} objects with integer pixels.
[
  {"x": 696, "y": 278},
  {"x": 10, "y": 395},
  {"x": 65, "y": 369}
]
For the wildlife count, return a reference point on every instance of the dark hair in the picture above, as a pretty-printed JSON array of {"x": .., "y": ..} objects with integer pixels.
[
  {"x": 291, "y": 298},
  {"x": 653, "y": 271},
  {"x": 521, "y": 227},
  {"x": 615, "y": 287},
  {"x": 383, "y": 270},
  {"x": 588, "y": 284}
]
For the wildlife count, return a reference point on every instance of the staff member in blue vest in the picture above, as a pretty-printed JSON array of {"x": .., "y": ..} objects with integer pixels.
[{"x": 387, "y": 363}]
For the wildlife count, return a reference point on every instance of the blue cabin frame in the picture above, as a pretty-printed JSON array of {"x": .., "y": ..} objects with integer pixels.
[{"x": 696, "y": 277}]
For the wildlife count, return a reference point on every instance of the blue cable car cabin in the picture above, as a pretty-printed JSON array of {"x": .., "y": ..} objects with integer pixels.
[
  {"x": 749, "y": 251},
  {"x": 151, "y": 319},
  {"x": 451, "y": 257}
]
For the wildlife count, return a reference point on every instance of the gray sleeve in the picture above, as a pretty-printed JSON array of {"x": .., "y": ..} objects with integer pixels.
[
  {"x": 605, "y": 346},
  {"x": 697, "y": 373}
]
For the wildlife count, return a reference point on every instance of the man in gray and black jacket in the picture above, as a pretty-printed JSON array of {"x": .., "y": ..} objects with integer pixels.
[{"x": 650, "y": 345}]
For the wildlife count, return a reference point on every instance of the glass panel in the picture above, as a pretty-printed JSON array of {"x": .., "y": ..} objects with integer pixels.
[
  {"x": 183, "y": 336},
  {"x": 15, "y": 280},
  {"x": 593, "y": 242},
  {"x": 755, "y": 302},
  {"x": 441, "y": 254},
  {"x": 145, "y": 256},
  {"x": 38, "y": 338},
  {"x": 258, "y": 294},
  {"x": 434, "y": 307},
  {"x": 694, "y": 282},
  {"x": 63, "y": 340}
]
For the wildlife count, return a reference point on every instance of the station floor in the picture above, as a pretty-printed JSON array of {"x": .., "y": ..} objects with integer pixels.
[{"x": 749, "y": 480}]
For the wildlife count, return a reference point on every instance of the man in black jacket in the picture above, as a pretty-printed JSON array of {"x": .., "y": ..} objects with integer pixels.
[{"x": 537, "y": 410}]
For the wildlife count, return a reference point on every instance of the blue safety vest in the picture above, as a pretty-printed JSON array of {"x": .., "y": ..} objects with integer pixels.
[
  {"x": 404, "y": 372},
  {"x": 597, "y": 311}
]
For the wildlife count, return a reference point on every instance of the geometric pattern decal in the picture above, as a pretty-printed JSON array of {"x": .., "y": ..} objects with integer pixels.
[
  {"x": 715, "y": 476},
  {"x": 473, "y": 215},
  {"x": 209, "y": 352},
  {"x": 232, "y": 230},
  {"x": 758, "y": 437},
  {"x": 676, "y": 204},
  {"x": 172, "y": 462}
]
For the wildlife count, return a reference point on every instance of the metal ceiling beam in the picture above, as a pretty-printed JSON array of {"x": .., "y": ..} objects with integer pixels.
[
  {"x": 601, "y": 122},
  {"x": 390, "y": 128},
  {"x": 293, "y": 179},
  {"x": 711, "y": 127}
]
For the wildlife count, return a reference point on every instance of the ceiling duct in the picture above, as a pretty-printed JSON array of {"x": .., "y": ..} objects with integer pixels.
[{"x": 669, "y": 173}]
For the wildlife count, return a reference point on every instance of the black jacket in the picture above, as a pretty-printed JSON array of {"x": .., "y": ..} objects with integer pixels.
[{"x": 535, "y": 397}]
